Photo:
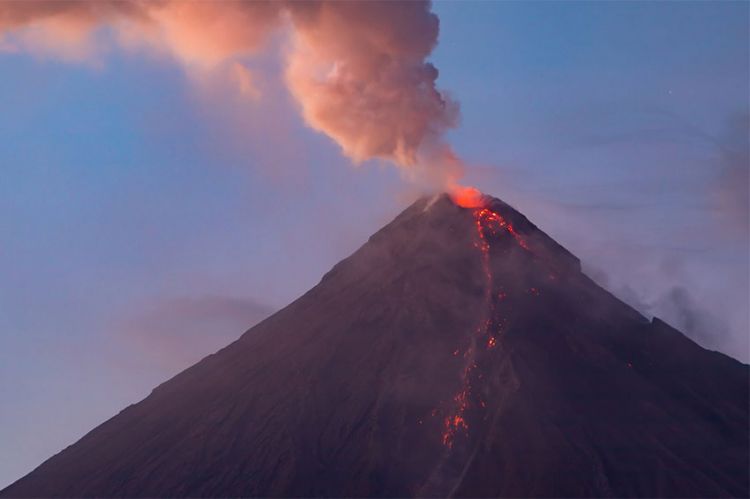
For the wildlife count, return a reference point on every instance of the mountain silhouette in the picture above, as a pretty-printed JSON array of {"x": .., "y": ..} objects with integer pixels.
[{"x": 459, "y": 352}]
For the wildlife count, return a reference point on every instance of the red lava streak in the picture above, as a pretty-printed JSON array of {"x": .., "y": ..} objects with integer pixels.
[
  {"x": 494, "y": 223},
  {"x": 489, "y": 224}
]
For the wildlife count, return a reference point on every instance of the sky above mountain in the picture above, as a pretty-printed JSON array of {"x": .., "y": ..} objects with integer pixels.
[{"x": 148, "y": 218}]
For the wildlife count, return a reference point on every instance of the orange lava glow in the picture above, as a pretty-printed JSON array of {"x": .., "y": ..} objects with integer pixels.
[
  {"x": 493, "y": 222},
  {"x": 456, "y": 421},
  {"x": 467, "y": 197},
  {"x": 489, "y": 226}
]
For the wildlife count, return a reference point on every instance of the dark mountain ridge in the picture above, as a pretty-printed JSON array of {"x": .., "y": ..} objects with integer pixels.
[{"x": 461, "y": 352}]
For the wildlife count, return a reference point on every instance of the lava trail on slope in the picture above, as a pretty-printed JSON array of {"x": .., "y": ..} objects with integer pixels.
[{"x": 459, "y": 352}]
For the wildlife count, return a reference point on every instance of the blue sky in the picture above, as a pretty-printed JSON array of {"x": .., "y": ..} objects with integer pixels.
[{"x": 146, "y": 221}]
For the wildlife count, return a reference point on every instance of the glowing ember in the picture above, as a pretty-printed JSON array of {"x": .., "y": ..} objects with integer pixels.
[
  {"x": 455, "y": 421},
  {"x": 467, "y": 197},
  {"x": 487, "y": 223},
  {"x": 488, "y": 220}
]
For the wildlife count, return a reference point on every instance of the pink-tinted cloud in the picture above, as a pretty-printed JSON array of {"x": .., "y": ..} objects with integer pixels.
[
  {"x": 731, "y": 191},
  {"x": 358, "y": 70},
  {"x": 175, "y": 333},
  {"x": 359, "y": 73}
]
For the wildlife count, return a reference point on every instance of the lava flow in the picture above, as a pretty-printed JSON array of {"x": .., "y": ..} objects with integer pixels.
[{"x": 489, "y": 224}]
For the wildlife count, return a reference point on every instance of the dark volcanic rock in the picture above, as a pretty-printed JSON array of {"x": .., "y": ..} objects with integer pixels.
[{"x": 456, "y": 353}]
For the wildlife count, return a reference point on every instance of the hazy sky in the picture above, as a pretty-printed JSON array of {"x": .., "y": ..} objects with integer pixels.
[{"x": 147, "y": 219}]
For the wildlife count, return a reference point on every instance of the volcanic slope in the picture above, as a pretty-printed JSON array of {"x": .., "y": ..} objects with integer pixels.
[{"x": 459, "y": 352}]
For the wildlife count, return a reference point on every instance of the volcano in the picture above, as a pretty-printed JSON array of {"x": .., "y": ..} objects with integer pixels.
[{"x": 459, "y": 352}]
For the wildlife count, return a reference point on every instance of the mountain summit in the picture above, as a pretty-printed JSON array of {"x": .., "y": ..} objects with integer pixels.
[{"x": 459, "y": 352}]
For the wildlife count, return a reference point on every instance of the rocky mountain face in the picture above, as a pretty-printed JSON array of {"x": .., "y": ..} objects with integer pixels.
[{"x": 459, "y": 352}]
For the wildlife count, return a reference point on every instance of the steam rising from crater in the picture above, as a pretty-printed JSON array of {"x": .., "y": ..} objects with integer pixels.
[{"x": 358, "y": 70}]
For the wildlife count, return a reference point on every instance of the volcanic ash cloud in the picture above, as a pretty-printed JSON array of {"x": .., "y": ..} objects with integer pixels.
[{"x": 358, "y": 70}]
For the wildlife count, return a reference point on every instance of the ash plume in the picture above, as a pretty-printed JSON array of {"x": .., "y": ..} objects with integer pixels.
[{"x": 358, "y": 70}]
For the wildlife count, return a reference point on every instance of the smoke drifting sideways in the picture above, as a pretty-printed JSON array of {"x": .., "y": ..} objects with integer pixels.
[{"x": 358, "y": 70}]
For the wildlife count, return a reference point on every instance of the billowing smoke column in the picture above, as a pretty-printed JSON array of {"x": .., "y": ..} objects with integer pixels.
[{"x": 357, "y": 69}]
